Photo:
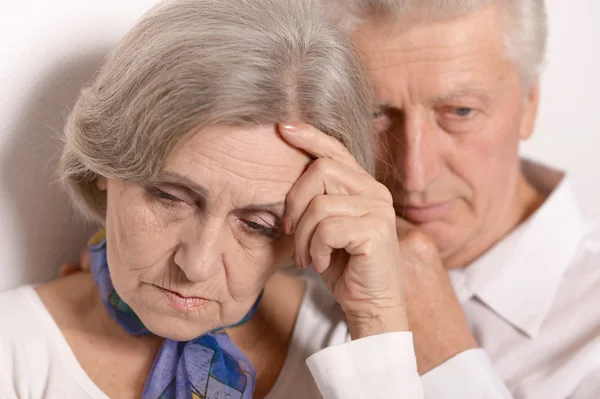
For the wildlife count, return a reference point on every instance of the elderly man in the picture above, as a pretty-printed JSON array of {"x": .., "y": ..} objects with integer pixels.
[{"x": 501, "y": 265}]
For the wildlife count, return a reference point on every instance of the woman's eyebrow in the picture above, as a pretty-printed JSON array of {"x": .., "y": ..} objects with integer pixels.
[
  {"x": 276, "y": 208},
  {"x": 176, "y": 178}
]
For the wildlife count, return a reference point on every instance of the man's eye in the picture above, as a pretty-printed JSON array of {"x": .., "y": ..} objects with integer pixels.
[
  {"x": 463, "y": 111},
  {"x": 457, "y": 114},
  {"x": 381, "y": 122}
]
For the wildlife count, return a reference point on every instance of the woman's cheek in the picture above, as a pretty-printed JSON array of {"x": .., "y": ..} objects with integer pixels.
[
  {"x": 138, "y": 240},
  {"x": 249, "y": 269}
]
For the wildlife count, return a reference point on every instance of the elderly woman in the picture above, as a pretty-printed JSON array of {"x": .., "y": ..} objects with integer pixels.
[{"x": 182, "y": 149}]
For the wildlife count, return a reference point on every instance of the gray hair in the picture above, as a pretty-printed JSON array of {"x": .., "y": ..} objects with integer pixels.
[
  {"x": 190, "y": 64},
  {"x": 526, "y": 26}
]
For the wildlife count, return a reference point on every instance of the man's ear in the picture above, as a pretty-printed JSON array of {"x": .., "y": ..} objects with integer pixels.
[
  {"x": 101, "y": 183},
  {"x": 532, "y": 101}
]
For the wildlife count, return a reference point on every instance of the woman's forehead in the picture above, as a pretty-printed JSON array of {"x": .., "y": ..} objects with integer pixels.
[{"x": 257, "y": 158}]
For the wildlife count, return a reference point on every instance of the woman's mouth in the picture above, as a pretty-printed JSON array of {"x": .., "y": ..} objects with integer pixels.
[{"x": 182, "y": 303}]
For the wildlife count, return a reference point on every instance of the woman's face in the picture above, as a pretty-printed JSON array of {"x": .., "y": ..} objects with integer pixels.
[{"x": 192, "y": 251}]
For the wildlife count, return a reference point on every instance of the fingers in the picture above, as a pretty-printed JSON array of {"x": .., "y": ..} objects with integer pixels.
[
  {"x": 317, "y": 143},
  {"x": 356, "y": 235},
  {"x": 325, "y": 176},
  {"x": 403, "y": 226},
  {"x": 66, "y": 270},
  {"x": 84, "y": 259},
  {"x": 323, "y": 207}
]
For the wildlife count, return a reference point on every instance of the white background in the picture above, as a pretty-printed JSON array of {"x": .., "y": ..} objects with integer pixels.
[{"x": 49, "y": 49}]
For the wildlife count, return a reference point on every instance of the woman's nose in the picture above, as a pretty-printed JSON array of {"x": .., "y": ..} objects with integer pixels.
[{"x": 200, "y": 255}]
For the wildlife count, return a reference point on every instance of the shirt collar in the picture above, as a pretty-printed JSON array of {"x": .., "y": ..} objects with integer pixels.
[{"x": 519, "y": 276}]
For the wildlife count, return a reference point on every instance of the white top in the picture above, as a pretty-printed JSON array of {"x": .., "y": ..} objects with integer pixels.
[
  {"x": 36, "y": 361},
  {"x": 533, "y": 303}
]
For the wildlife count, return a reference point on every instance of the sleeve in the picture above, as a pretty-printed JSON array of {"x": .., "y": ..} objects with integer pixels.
[
  {"x": 381, "y": 366},
  {"x": 468, "y": 375}
]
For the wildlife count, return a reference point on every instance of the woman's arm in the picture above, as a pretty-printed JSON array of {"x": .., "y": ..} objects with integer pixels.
[{"x": 344, "y": 225}]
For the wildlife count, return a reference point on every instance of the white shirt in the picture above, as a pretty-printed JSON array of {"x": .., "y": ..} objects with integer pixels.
[
  {"x": 36, "y": 361},
  {"x": 533, "y": 304}
]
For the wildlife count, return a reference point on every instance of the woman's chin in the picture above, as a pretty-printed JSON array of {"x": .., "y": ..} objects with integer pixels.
[
  {"x": 177, "y": 329},
  {"x": 162, "y": 319}
]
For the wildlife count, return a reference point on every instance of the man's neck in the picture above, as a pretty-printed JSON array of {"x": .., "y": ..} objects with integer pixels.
[{"x": 525, "y": 202}]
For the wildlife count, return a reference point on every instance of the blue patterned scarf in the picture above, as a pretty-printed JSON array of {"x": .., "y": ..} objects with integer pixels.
[{"x": 208, "y": 367}]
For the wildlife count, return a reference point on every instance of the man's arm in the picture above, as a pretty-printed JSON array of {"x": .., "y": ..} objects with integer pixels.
[
  {"x": 589, "y": 386},
  {"x": 448, "y": 357},
  {"x": 468, "y": 375}
]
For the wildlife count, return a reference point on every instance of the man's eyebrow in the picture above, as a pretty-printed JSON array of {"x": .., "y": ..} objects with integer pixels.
[
  {"x": 462, "y": 93},
  {"x": 384, "y": 105},
  {"x": 381, "y": 106}
]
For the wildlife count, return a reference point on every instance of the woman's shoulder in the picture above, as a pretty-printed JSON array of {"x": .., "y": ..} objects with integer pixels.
[
  {"x": 315, "y": 310},
  {"x": 321, "y": 317},
  {"x": 23, "y": 340},
  {"x": 319, "y": 323},
  {"x": 19, "y": 309},
  {"x": 24, "y": 323},
  {"x": 35, "y": 360}
]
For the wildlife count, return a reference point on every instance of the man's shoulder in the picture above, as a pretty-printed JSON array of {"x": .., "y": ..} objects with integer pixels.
[{"x": 578, "y": 295}]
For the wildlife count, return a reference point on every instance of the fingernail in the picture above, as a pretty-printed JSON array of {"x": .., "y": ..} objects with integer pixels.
[
  {"x": 298, "y": 262},
  {"x": 289, "y": 127},
  {"x": 293, "y": 129}
]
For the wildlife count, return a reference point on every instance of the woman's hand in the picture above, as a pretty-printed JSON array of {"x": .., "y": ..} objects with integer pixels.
[{"x": 345, "y": 226}]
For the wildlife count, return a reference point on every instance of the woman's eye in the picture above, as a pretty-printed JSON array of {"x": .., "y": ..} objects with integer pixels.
[
  {"x": 256, "y": 228},
  {"x": 166, "y": 196}
]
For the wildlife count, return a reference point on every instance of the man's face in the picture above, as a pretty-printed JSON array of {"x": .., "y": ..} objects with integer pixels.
[{"x": 453, "y": 111}]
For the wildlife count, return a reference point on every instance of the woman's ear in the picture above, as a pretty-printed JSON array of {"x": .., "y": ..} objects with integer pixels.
[{"x": 101, "y": 183}]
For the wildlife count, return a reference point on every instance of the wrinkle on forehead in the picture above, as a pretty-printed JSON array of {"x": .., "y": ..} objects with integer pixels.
[
  {"x": 239, "y": 159},
  {"x": 404, "y": 39},
  {"x": 428, "y": 61}
]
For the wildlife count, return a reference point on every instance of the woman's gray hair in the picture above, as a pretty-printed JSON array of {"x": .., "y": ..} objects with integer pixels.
[
  {"x": 190, "y": 64},
  {"x": 526, "y": 26}
]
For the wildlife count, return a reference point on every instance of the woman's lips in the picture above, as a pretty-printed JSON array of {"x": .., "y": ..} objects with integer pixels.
[
  {"x": 182, "y": 303},
  {"x": 424, "y": 214}
]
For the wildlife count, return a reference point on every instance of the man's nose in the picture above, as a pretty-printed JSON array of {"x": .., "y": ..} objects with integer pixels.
[
  {"x": 200, "y": 255},
  {"x": 416, "y": 151}
]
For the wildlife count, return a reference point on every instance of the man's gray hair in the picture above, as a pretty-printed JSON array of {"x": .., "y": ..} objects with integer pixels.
[
  {"x": 190, "y": 64},
  {"x": 526, "y": 25}
]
